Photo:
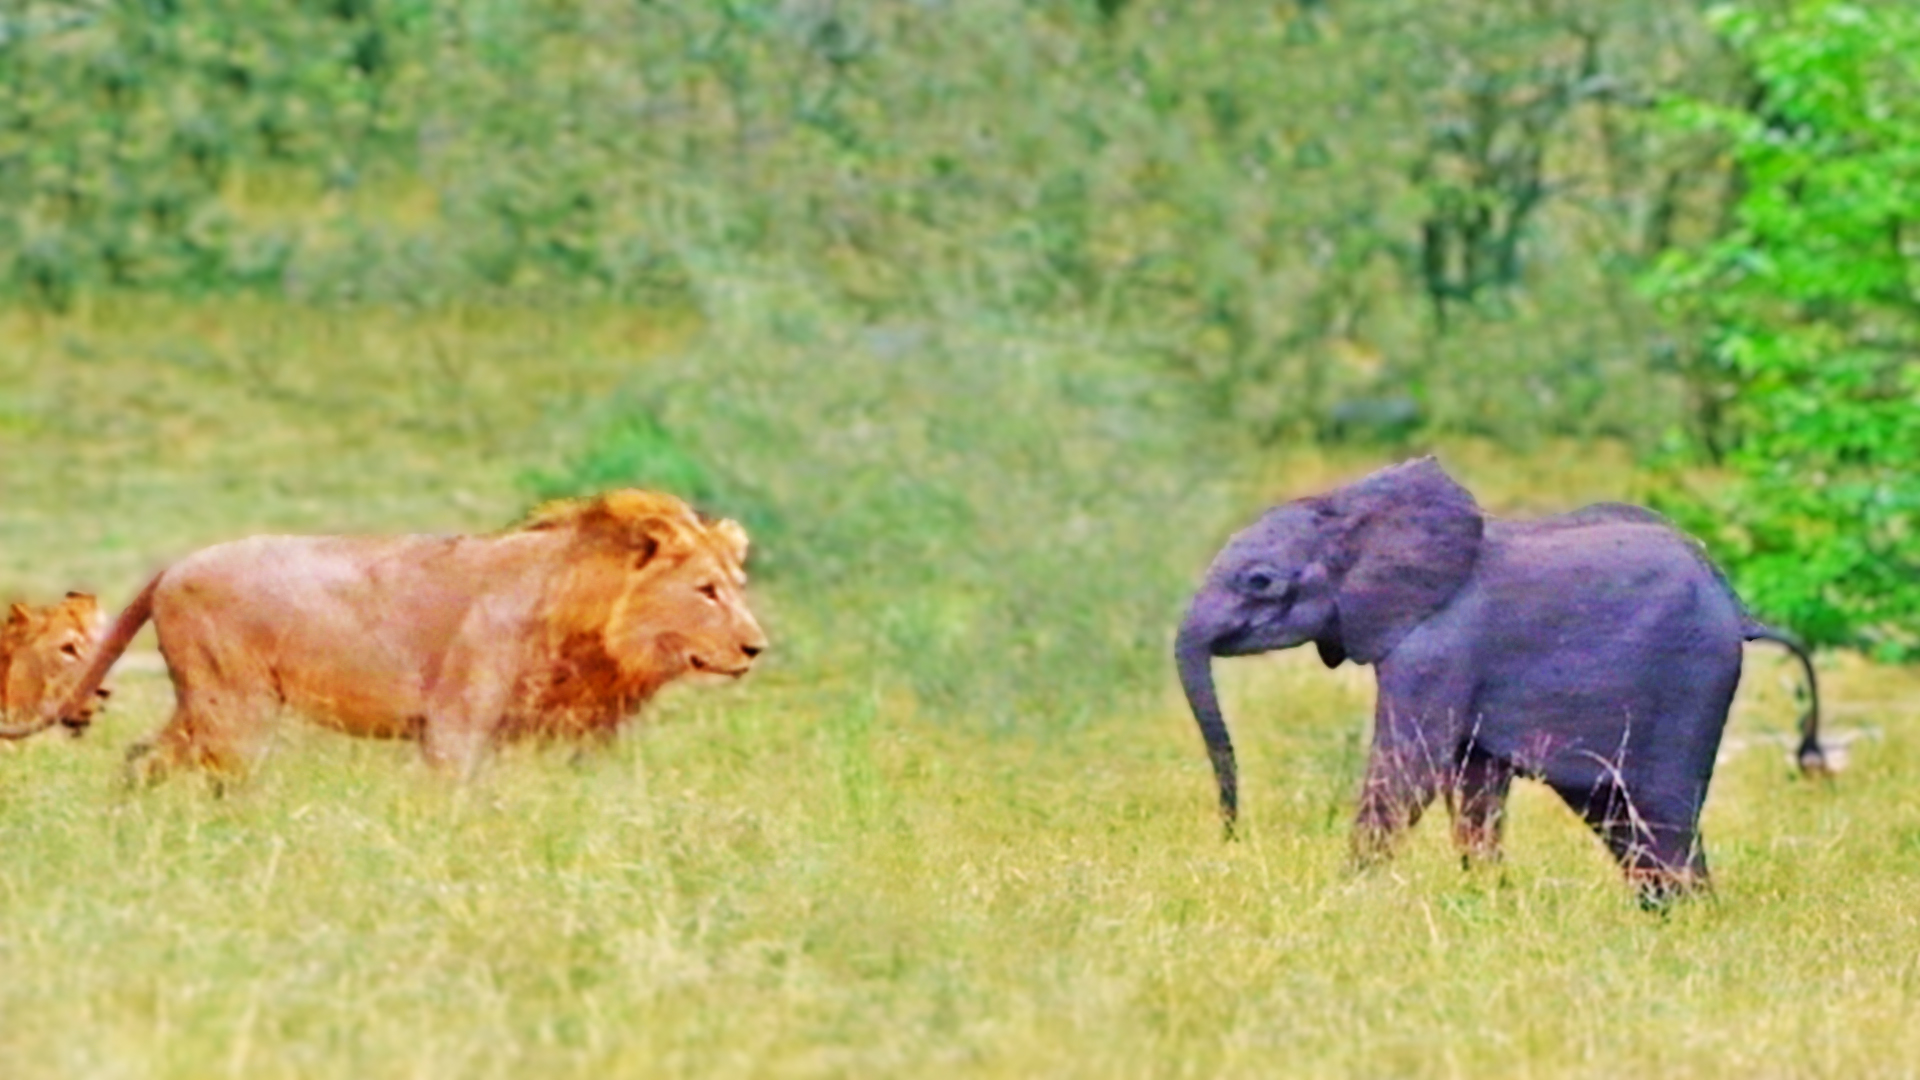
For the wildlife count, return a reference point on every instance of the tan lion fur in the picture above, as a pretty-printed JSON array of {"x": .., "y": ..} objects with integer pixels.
[
  {"x": 560, "y": 628},
  {"x": 41, "y": 654}
]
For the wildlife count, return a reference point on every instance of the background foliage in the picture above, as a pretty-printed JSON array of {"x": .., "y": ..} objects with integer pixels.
[
  {"x": 1304, "y": 220},
  {"x": 991, "y": 319},
  {"x": 1006, "y": 520},
  {"x": 897, "y": 848},
  {"x": 1807, "y": 305},
  {"x": 1323, "y": 218}
]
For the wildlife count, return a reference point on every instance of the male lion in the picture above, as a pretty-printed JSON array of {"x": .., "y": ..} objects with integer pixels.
[
  {"x": 40, "y": 654},
  {"x": 561, "y": 627}
]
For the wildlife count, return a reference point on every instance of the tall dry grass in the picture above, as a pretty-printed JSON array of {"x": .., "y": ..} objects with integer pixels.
[{"x": 857, "y": 862}]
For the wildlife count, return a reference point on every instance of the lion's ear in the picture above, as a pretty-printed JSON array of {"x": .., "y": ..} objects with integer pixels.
[
  {"x": 646, "y": 538},
  {"x": 648, "y": 522},
  {"x": 653, "y": 535},
  {"x": 85, "y": 603},
  {"x": 730, "y": 536},
  {"x": 19, "y": 615},
  {"x": 644, "y": 522}
]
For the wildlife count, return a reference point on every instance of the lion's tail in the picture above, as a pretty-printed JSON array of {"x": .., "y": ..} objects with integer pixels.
[{"x": 71, "y": 709}]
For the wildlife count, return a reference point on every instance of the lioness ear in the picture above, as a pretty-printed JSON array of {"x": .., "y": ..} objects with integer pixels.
[
  {"x": 18, "y": 615},
  {"x": 83, "y": 602},
  {"x": 729, "y": 534}
]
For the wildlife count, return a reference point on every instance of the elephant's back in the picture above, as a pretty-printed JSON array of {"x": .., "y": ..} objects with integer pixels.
[
  {"x": 1586, "y": 640},
  {"x": 1625, "y": 592}
]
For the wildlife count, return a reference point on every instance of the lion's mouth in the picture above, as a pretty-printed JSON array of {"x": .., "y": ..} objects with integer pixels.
[{"x": 708, "y": 667}]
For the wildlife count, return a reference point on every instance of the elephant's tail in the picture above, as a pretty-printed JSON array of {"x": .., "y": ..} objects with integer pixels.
[{"x": 1812, "y": 757}]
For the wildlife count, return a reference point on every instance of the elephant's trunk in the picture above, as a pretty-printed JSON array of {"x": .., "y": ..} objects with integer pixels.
[{"x": 1193, "y": 653}]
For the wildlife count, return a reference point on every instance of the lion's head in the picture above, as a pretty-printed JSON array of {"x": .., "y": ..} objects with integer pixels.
[
  {"x": 43, "y": 651},
  {"x": 654, "y": 593}
]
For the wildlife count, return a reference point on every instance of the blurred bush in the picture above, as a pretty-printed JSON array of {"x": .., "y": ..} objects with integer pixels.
[
  {"x": 1001, "y": 522},
  {"x": 1806, "y": 312},
  {"x": 1293, "y": 209},
  {"x": 1314, "y": 219}
]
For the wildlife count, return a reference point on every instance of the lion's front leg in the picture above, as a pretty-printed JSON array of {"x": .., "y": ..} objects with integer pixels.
[
  {"x": 456, "y": 749},
  {"x": 464, "y": 714}
]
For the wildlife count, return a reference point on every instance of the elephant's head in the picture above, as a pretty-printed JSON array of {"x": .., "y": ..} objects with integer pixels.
[{"x": 1351, "y": 571}]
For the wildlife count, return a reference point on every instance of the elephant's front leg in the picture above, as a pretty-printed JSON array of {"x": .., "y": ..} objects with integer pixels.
[
  {"x": 1418, "y": 728},
  {"x": 1396, "y": 792},
  {"x": 1405, "y": 771},
  {"x": 1480, "y": 805}
]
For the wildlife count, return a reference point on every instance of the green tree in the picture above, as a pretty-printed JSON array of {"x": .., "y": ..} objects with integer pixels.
[{"x": 1809, "y": 305}]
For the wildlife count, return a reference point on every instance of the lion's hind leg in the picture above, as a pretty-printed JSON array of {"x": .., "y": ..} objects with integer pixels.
[
  {"x": 224, "y": 749},
  {"x": 154, "y": 758},
  {"x": 222, "y": 730}
]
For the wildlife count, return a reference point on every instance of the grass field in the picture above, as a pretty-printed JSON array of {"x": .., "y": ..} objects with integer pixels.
[{"x": 821, "y": 871}]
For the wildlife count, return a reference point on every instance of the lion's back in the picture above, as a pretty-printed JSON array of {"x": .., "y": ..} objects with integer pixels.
[
  {"x": 348, "y": 629},
  {"x": 315, "y": 572}
]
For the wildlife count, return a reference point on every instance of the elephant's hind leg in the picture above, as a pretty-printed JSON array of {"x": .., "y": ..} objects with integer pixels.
[
  {"x": 1655, "y": 839},
  {"x": 1479, "y": 804}
]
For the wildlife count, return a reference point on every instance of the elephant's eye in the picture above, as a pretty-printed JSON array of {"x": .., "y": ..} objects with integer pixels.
[{"x": 1263, "y": 583}]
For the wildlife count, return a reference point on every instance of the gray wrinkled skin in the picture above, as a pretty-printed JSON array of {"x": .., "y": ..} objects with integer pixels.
[{"x": 1597, "y": 651}]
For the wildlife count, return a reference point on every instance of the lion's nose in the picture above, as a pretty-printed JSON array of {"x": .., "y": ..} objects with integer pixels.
[{"x": 753, "y": 650}]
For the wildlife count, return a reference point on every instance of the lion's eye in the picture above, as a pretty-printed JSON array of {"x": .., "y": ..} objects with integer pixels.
[
  {"x": 70, "y": 651},
  {"x": 710, "y": 591}
]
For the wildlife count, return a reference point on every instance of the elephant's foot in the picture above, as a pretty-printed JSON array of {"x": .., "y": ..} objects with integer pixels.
[
  {"x": 1373, "y": 842},
  {"x": 1657, "y": 887},
  {"x": 1478, "y": 840}
]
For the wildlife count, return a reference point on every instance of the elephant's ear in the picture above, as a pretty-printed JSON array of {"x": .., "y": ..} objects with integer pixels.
[{"x": 1407, "y": 540}]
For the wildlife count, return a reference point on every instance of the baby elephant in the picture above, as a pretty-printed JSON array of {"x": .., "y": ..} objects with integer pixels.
[{"x": 1597, "y": 651}]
